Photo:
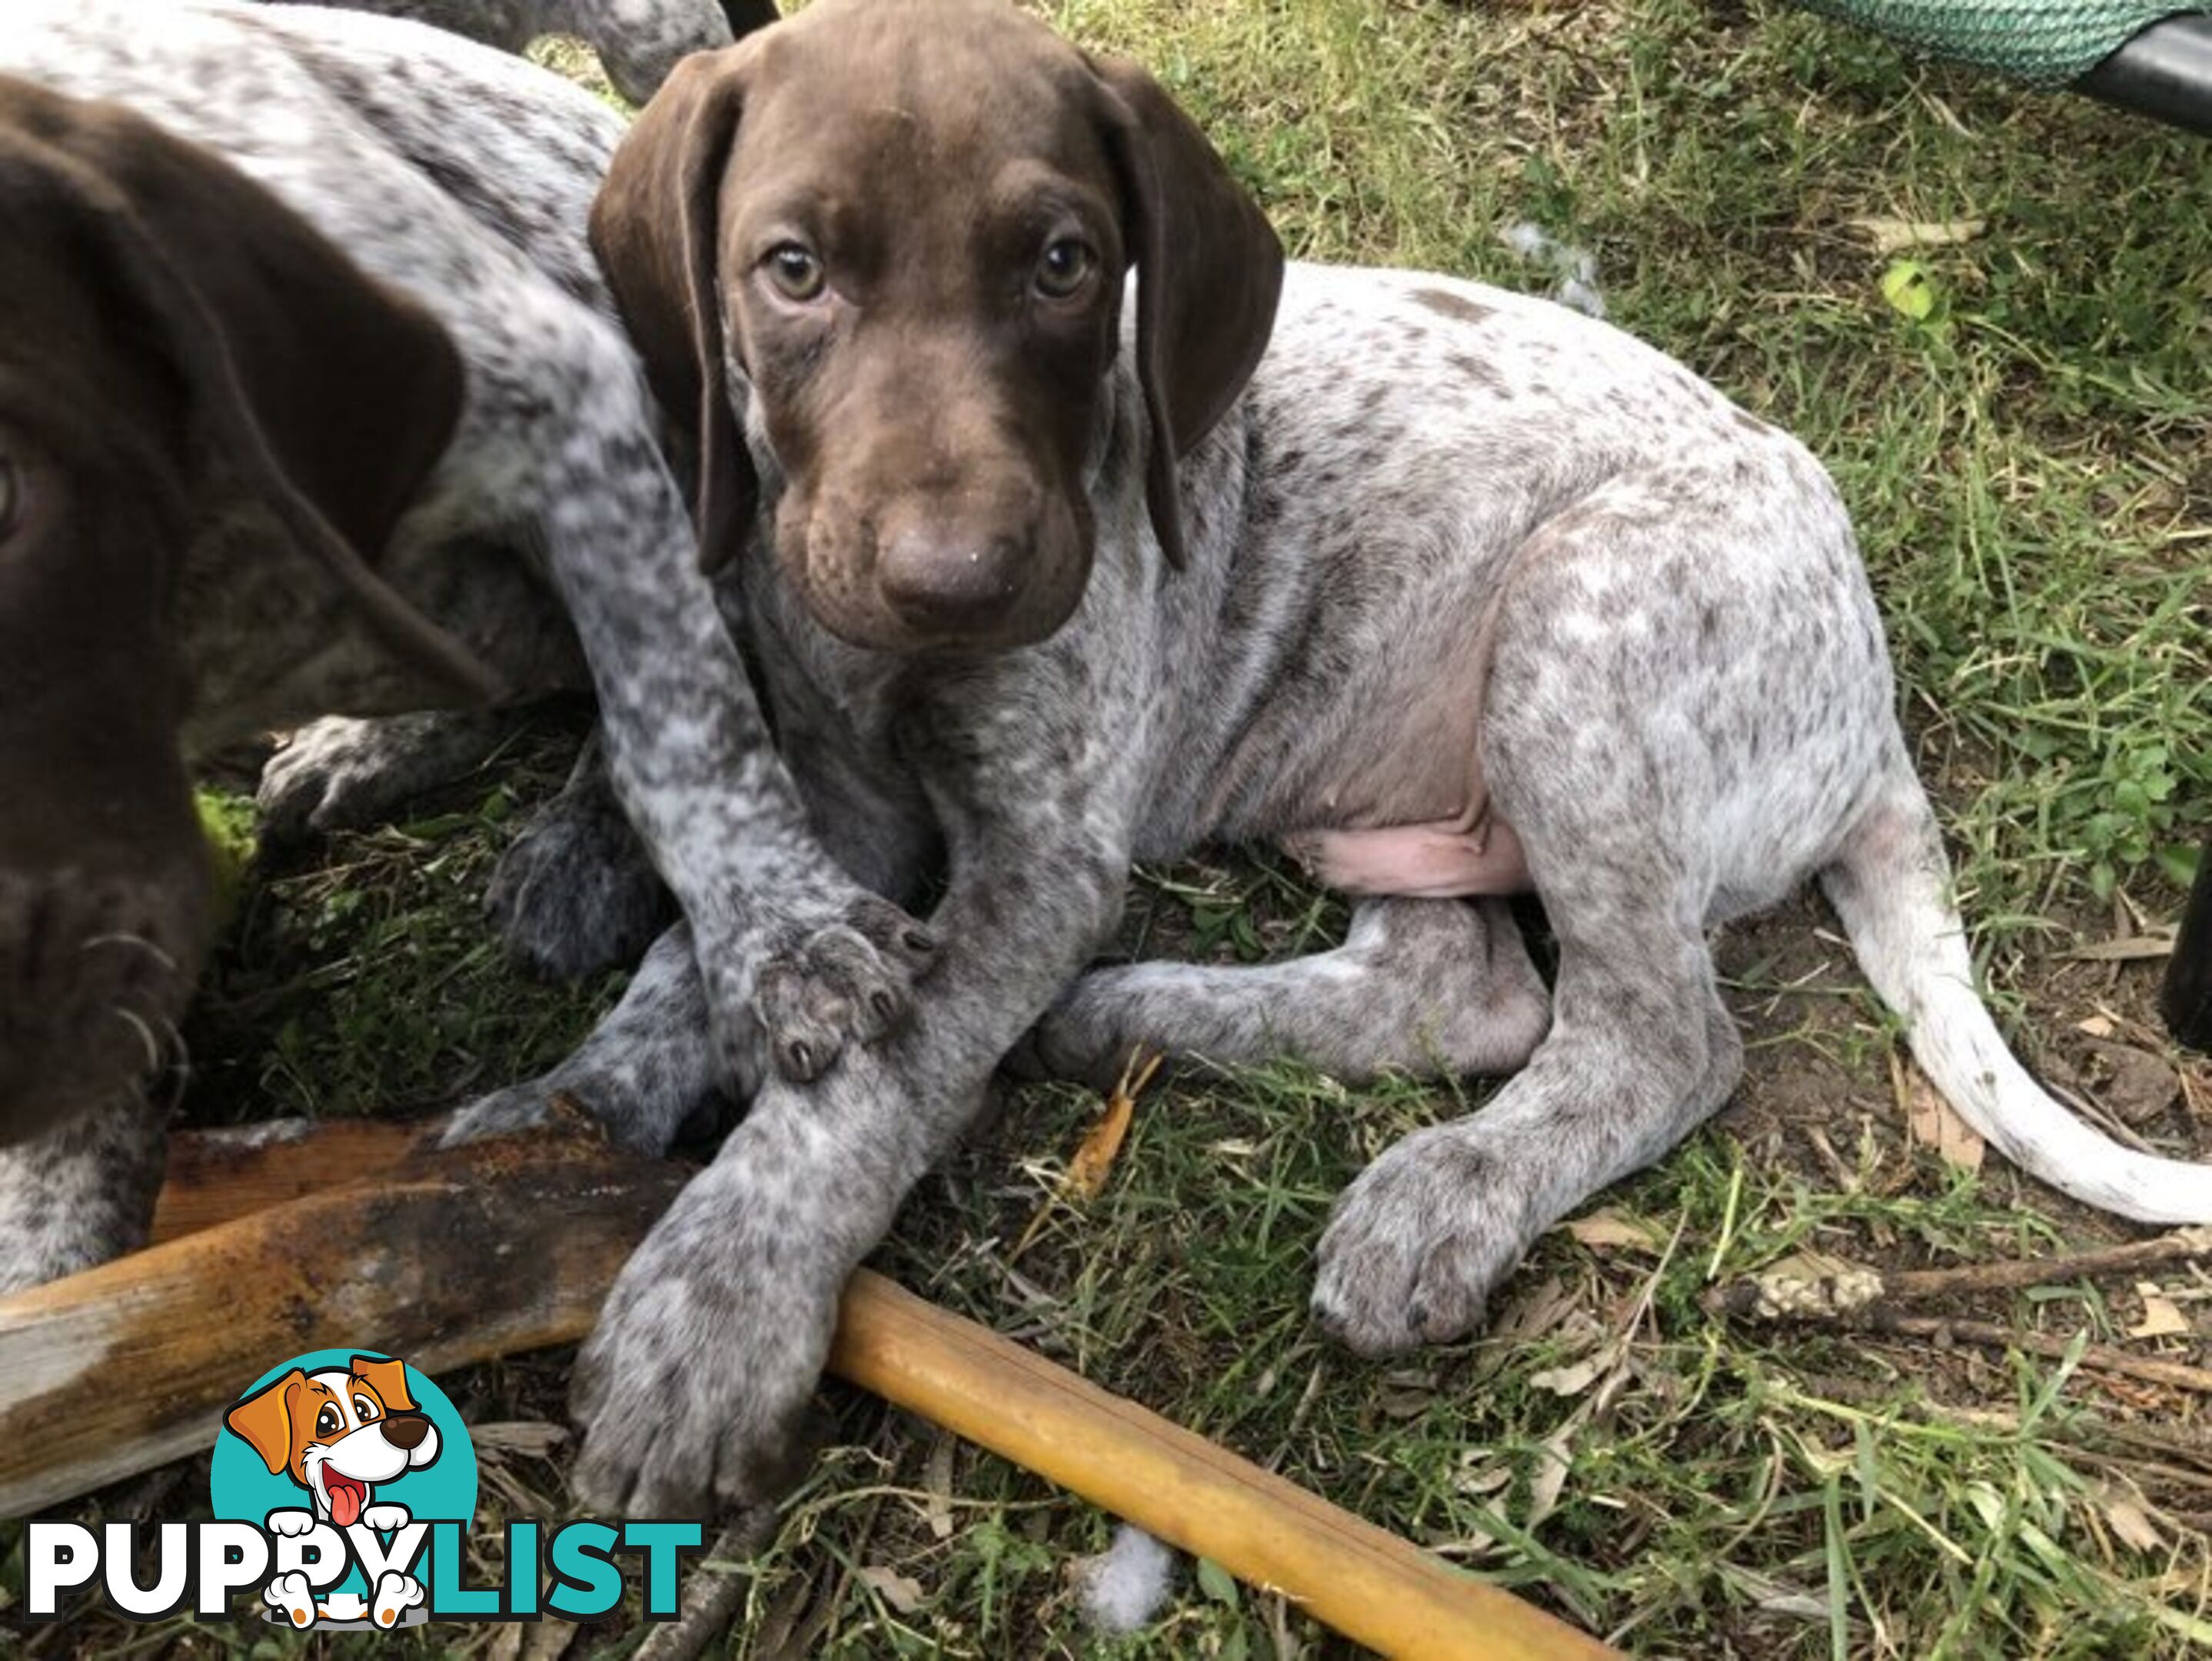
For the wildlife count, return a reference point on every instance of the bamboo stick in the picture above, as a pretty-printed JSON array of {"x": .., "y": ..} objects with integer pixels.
[{"x": 1366, "y": 1582}]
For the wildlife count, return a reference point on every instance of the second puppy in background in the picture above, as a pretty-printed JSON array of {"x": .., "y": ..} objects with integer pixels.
[{"x": 638, "y": 41}]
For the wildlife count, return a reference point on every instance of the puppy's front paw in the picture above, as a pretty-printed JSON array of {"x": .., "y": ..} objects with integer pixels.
[
  {"x": 1416, "y": 1244},
  {"x": 574, "y": 893},
  {"x": 290, "y": 1522},
  {"x": 848, "y": 975},
  {"x": 694, "y": 1390},
  {"x": 385, "y": 1517}
]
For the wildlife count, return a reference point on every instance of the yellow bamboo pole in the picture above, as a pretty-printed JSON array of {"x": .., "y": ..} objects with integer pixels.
[{"x": 1362, "y": 1580}]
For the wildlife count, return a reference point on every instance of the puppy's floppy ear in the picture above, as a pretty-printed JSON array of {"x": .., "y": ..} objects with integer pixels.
[
  {"x": 311, "y": 385},
  {"x": 388, "y": 1378},
  {"x": 264, "y": 1420},
  {"x": 656, "y": 228},
  {"x": 1209, "y": 271}
]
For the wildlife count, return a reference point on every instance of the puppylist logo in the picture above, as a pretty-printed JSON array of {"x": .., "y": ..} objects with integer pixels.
[{"x": 342, "y": 1486}]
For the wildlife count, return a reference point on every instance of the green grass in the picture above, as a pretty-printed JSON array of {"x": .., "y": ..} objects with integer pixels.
[{"x": 2031, "y": 466}]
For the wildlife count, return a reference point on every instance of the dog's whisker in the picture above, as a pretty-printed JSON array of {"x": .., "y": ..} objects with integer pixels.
[
  {"x": 137, "y": 942},
  {"x": 145, "y": 1037}
]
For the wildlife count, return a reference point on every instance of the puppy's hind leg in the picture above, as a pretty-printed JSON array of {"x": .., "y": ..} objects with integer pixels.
[
  {"x": 341, "y": 774},
  {"x": 1615, "y": 740},
  {"x": 1429, "y": 987},
  {"x": 575, "y": 892},
  {"x": 1640, "y": 1051},
  {"x": 81, "y": 1194}
]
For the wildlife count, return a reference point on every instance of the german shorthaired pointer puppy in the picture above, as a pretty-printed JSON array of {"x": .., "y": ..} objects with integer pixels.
[
  {"x": 638, "y": 41},
  {"x": 311, "y": 398},
  {"x": 1455, "y": 592}
]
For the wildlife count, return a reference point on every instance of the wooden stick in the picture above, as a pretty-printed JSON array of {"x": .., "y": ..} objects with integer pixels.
[
  {"x": 1855, "y": 1293},
  {"x": 451, "y": 1257},
  {"x": 504, "y": 1246},
  {"x": 2183, "y": 1246},
  {"x": 216, "y": 1175},
  {"x": 2176, "y": 1375}
]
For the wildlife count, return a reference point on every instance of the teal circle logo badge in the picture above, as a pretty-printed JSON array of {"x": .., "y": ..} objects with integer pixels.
[{"x": 349, "y": 1461}]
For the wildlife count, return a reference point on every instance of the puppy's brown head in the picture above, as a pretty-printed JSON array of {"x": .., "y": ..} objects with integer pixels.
[
  {"x": 173, "y": 342},
  {"x": 906, "y": 222}
]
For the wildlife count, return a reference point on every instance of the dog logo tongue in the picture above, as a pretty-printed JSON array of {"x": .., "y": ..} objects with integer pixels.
[{"x": 347, "y": 1498}]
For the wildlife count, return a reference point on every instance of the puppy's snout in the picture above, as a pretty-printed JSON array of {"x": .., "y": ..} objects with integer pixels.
[
  {"x": 950, "y": 580},
  {"x": 406, "y": 1430}
]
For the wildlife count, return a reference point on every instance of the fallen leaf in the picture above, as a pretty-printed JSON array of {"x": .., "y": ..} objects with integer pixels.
[
  {"x": 1217, "y": 1582},
  {"x": 2162, "y": 1316},
  {"x": 1536, "y": 1313},
  {"x": 2097, "y": 1026},
  {"x": 937, "y": 1484},
  {"x": 1891, "y": 235},
  {"x": 1406, "y": 1403},
  {"x": 902, "y": 1592},
  {"x": 1094, "y": 1161},
  {"x": 1609, "y": 1227},
  {"x": 2130, "y": 1520},
  {"x": 1475, "y": 1484},
  {"x": 1572, "y": 1380},
  {"x": 1553, "y": 1463},
  {"x": 1931, "y": 1121},
  {"x": 1909, "y": 289}
]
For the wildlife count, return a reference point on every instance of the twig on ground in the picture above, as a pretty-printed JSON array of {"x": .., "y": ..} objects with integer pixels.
[
  {"x": 1852, "y": 1291},
  {"x": 2177, "y": 1375}
]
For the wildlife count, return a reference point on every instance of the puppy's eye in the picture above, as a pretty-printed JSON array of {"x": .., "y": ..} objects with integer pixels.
[
  {"x": 364, "y": 1409},
  {"x": 795, "y": 272},
  {"x": 11, "y": 495},
  {"x": 327, "y": 1422},
  {"x": 1064, "y": 267}
]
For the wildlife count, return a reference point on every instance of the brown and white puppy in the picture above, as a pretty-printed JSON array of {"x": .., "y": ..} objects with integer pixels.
[
  {"x": 338, "y": 1434},
  {"x": 1384, "y": 564}
]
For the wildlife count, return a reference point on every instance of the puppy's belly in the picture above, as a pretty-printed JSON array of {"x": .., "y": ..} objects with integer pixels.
[{"x": 1445, "y": 859}]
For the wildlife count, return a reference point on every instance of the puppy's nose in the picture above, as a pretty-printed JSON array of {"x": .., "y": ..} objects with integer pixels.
[
  {"x": 406, "y": 1430},
  {"x": 947, "y": 581}
]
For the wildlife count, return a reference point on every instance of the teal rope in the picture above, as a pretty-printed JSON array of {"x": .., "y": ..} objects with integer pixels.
[{"x": 2046, "y": 43}]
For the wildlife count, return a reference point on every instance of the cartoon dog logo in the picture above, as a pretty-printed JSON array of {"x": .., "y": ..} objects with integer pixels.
[{"x": 338, "y": 1434}]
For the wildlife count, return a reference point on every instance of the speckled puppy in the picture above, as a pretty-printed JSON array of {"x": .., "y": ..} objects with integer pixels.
[
  {"x": 269, "y": 399},
  {"x": 1455, "y": 591}
]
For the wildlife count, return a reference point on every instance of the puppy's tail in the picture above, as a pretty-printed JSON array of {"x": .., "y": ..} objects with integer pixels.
[{"x": 1891, "y": 886}]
